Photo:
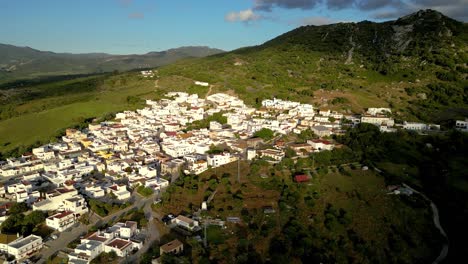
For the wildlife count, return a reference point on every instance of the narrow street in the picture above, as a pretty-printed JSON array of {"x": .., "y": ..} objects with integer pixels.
[
  {"x": 53, "y": 246},
  {"x": 152, "y": 233}
]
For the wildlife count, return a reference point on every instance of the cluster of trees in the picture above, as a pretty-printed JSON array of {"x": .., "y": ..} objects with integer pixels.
[
  {"x": 205, "y": 123},
  {"x": 152, "y": 253},
  {"x": 137, "y": 215},
  {"x": 438, "y": 160},
  {"x": 134, "y": 100},
  {"x": 105, "y": 257},
  {"x": 265, "y": 134},
  {"x": 104, "y": 208},
  {"x": 19, "y": 222},
  {"x": 145, "y": 191},
  {"x": 340, "y": 100}
]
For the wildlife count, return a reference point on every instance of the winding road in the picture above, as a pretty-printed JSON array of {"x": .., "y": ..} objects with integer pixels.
[{"x": 435, "y": 214}]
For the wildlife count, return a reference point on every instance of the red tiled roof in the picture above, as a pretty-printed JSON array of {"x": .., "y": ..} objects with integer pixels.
[
  {"x": 119, "y": 243},
  {"x": 61, "y": 215},
  {"x": 322, "y": 141},
  {"x": 301, "y": 178},
  {"x": 94, "y": 236}
]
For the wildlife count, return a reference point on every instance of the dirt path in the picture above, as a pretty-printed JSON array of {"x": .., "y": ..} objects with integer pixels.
[
  {"x": 349, "y": 60},
  {"x": 209, "y": 91}
]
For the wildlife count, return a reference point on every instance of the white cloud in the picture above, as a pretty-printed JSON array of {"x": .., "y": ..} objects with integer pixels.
[{"x": 242, "y": 16}]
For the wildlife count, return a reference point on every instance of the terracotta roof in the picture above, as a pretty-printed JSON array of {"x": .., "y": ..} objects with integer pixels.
[
  {"x": 301, "y": 178},
  {"x": 119, "y": 243},
  {"x": 61, "y": 215},
  {"x": 322, "y": 141},
  {"x": 94, "y": 236},
  {"x": 171, "y": 245}
]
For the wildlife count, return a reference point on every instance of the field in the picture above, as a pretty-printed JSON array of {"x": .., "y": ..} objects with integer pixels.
[
  {"x": 353, "y": 208},
  {"x": 42, "y": 119}
]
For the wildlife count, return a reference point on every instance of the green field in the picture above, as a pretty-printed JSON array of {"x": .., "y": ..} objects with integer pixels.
[
  {"x": 381, "y": 222},
  {"x": 42, "y": 119}
]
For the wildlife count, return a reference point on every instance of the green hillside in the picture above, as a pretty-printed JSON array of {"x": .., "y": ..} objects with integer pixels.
[
  {"x": 27, "y": 63},
  {"x": 416, "y": 65}
]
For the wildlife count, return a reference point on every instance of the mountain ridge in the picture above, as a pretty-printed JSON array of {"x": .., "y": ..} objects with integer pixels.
[
  {"x": 26, "y": 62},
  {"x": 416, "y": 64}
]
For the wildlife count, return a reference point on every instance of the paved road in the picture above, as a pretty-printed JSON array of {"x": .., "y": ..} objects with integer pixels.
[
  {"x": 435, "y": 216},
  {"x": 61, "y": 242},
  {"x": 66, "y": 237},
  {"x": 152, "y": 232}
]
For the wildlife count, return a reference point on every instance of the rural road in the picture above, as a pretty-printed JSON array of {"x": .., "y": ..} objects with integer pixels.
[{"x": 435, "y": 213}]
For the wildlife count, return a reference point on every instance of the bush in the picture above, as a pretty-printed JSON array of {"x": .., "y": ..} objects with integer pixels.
[
  {"x": 265, "y": 134},
  {"x": 145, "y": 191}
]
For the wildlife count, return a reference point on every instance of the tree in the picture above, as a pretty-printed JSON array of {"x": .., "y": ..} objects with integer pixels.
[
  {"x": 265, "y": 134},
  {"x": 145, "y": 191},
  {"x": 17, "y": 208},
  {"x": 306, "y": 135},
  {"x": 289, "y": 152},
  {"x": 34, "y": 218}
]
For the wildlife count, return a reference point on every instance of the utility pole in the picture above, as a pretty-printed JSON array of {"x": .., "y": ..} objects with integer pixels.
[
  {"x": 238, "y": 168},
  {"x": 205, "y": 242},
  {"x": 313, "y": 161}
]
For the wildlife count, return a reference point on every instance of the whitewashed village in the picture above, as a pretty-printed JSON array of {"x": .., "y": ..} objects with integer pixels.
[{"x": 148, "y": 149}]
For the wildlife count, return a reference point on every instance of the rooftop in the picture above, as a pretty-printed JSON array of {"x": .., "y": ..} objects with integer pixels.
[
  {"x": 61, "y": 215},
  {"x": 25, "y": 241},
  {"x": 119, "y": 243},
  {"x": 171, "y": 245}
]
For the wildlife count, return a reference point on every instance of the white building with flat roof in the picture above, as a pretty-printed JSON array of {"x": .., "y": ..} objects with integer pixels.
[{"x": 24, "y": 247}]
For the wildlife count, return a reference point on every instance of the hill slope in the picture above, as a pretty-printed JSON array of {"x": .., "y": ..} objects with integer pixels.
[
  {"x": 416, "y": 64},
  {"x": 25, "y": 62}
]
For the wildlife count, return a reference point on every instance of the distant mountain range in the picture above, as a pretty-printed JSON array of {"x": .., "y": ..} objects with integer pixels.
[{"x": 25, "y": 63}]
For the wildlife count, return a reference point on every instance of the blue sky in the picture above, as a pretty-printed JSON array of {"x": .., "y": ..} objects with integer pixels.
[{"x": 140, "y": 26}]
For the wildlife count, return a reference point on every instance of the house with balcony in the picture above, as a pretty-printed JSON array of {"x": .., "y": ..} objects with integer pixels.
[{"x": 61, "y": 221}]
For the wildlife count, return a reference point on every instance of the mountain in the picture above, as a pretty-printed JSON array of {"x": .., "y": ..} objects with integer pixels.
[
  {"x": 25, "y": 62},
  {"x": 416, "y": 65}
]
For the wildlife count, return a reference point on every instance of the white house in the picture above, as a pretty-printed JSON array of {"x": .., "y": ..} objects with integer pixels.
[
  {"x": 319, "y": 144},
  {"x": 197, "y": 167},
  {"x": 75, "y": 204},
  {"x": 94, "y": 191},
  {"x": 415, "y": 126},
  {"x": 61, "y": 221},
  {"x": 462, "y": 125},
  {"x": 274, "y": 154},
  {"x": 205, "y": 84},
  {"x": 378, "y": 120},
  {"x": 185, "y": 222},
  {"x": 321, "y": 131},
  {"x": 25, "y": 247},
  {"x": 216, "y": 160},
  {"x": 120, "y": 191},
  {"x": 378, "y": 111},
  {"x": 120, "y": 246},
  {"x": 86, "y": 251}
]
